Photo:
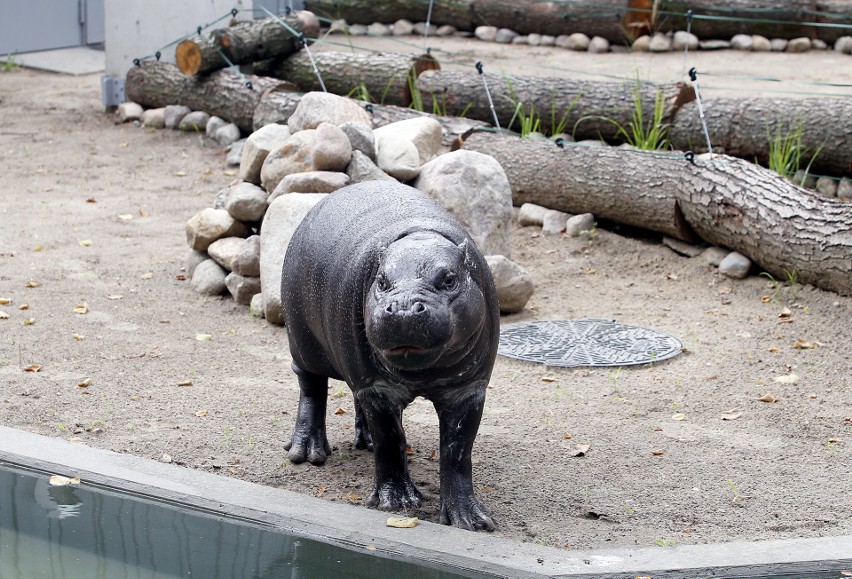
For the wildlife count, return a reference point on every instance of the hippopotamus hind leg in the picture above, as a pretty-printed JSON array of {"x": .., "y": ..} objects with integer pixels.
[{"x": 309, "y": 441}]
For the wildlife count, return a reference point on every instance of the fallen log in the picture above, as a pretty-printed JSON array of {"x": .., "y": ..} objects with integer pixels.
[
  {"x": 223, "y": 93},
  {"x": 458, "y": 13},
  {"x": 726, "y": 201},
  {"x": 590, "y": 109},
  {"x": 245, "y": 42},
  {"x": 744, "y": 128},
  {"x": 385, "y": 78}
]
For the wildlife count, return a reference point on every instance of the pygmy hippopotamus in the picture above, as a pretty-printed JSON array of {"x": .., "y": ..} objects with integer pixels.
[{"x": 383, "y": 289}]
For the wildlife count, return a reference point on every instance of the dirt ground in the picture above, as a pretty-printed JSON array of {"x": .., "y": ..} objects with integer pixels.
[{"x": 93, "y": 214}]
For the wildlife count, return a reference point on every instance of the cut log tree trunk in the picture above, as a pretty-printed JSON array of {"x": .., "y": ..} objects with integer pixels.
[
  {"x": 384, "y": 78},
  {"x": 223, "y": 93},
  {"x": 458, "y": 13},
  {"x": 590, "y": 108},
  {"x": 725, "y": 201},
  {"x": 744, "y": 128},
  {"x": 245, "y": 42}
]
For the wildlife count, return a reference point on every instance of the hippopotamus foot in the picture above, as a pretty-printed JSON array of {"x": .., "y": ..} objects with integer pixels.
[
  {"x": 309, "y": 440},
  {"x": 363, "y": 438},
  {"x": 465, "y": 512},
  {"x": 395, "y": 495}
]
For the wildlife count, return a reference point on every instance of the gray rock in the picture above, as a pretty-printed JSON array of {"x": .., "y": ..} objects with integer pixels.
[
  {"x": 128, "y": 112},
  {"x": 227, "y": 135},
  {"x": 802, "y": 44},
  {"x": 684, "y": 40},
  {"x": 534, "y": 39},
  {"x": 445, "y": 30},
  {"x": 361, "y": 138},
  {"x": 235, "y": 153},
  {"x": 246, "y": 202},
  {"x": 397, "y": 156},
  {"x": 548, "y": 40},
  {"x": 242, "y": 288},
  {"x": 735, "y": 265},
  {"x": 193, "y": 258},
  {"x": 402, "y": 27},
  {"x": 592, "y": 143},
  {"x": 660, "y": 43},
  {"x": 357, "y": 30},
  {"x": 320, "y": 107},
  {"x": 420, "y": 29},
  {"x": 310, "y": 182},
  {"x": 332, "y": 150},
  {"x": 553, "y": 222},
  {"x": 843, "y": 45},
  {"x": 714, "y": 255},
  {"x": 279, "y": 223},
  {"x": 520, "y": 40},
  {"x": 221, "y": 197},
  {"x": 598, "y": 45},
  {"x": 223, "y": 251},
  {"x": 209, "y": 279},
  {"x": 247, "y": 260},
  {"x": 195, "y": 121},
  {"x": 338, "y": 26},
  {"x": 294, "y": 156},
  {"x": 826, "y": 186},
  {"x": 423, "y": 132},
  {"x": 714, "y": 45},
  {"x": 742, "y": 42},
  {"x": 474, "y": 188},
  {"x": 486, "y": 33},
  {"x": 642, "y": 44},
  {"x": 256, "y": 306},
  {"x": 577, "y": 41},
  {"x": 760, "y": 43},
  {"x": 819, "y": 44},
  {"x": 361, "y": 168},
  {"x": 844, "y": 189},
  {"x": 174, "y": 114},
  {"x": 154, "y": 118},
  {"x": 531, "y": 214},
  {"x": 214, "y": 123},
  {"x": 378, "y": 29},
  {"x": 505, "y": 36},
  {"x": 778, "y": 44},
  {"x": 684, "y": 248},
  {"x": 514, "y": 283},
  {"x": 804, "y": 179},
  {"x": 209, "y": 225},
  {"x": 577, "y": 224},
  {"x": 258, "y": 146}
]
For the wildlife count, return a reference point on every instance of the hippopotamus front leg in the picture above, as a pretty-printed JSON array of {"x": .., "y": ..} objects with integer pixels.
[
  {"x": 459, "y": 413},
  {"x": 309, "y": 441},
  {"x": 393, "y": 490}
]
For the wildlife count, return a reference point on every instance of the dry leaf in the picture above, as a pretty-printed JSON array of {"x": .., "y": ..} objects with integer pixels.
[
  {"x": 787, "y": 379},
  {"x": 765, "y": 299},
  {"x": 3, "y": 315},
  {"x": 29, "y": 321},
  {"x": 774, "y": 349},
  {"x": 136, "y": 398},
  {"x": 768, "y": 398},
  {"x": 340, "y": 411},
  {"x": 725, "y": 290},
  {"x": 672, "y": 276},
  {"x": 679, "y": 416},
  {"x": 353, "y": 498},
  {"x": 201, "y": 413},
  {"x": 805, "y": 345},
  {"x": 731, "y": 415},
  {"x": 147, "y": 275},
  {"x": 180, "y": 277},
  {"x": 85, "y": 243},
  {"x": 548, "y": 378},
  {"x": 203, "y": 337},
  {"x": 91, "y": 200},
  {"x": 410, "y": 451},
  {"x": 835, "y": 440},
  {"x": 5, "y": 301},
  {"x": 63, "y": 481},
  {"x": 402, "y": 522},
  {"x": 370, "y": 547},
  {"x": 567, "y": 436},
  {"x": 32, "y": 368},
  {"x": 84, "y": 383},
  {"x": 658, "y": 452},
  {"x": 580, "y": 450},
  {"x": 181, "y": 174},
  {"x": 81, "y": 309},
  {"x": 125, "y": 217},
  {"x": 433, "y": 455},
  {"x": 185, "y": 383},
  {"x": 24, "y": 307},
  {"x": 115, "y": 296},
  {"x": 38, "y": 248},
  {"x": 78, "y": 337},
  {"x": 33, "y": 283}
]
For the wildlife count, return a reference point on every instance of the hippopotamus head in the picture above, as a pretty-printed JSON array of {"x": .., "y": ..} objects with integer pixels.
[{"x": 423, "y": 309}]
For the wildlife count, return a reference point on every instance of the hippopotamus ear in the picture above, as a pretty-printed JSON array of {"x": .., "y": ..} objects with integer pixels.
[{"x": 468, "y": 261}]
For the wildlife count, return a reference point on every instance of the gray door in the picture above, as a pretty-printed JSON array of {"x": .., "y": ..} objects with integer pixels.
[{"x": 31, "y": 25}]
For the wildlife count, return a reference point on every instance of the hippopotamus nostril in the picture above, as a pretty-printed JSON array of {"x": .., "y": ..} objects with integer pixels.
[
  {"x": 392, "y": 308},
  {"x": 418, "y": 308}
]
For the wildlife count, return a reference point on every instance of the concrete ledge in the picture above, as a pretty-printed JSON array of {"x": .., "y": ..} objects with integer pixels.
[{"x": 357, "y": 527}]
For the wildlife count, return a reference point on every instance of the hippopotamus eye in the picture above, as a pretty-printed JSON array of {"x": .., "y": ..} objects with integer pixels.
[
  {"x": 449, "y": 281},
  {"x": 382, "y": 283}
]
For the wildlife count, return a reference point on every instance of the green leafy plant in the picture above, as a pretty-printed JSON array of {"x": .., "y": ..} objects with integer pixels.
[
  {"x": 787, "y": 153},
  {"x": 9, "y": 64},
  {"x": 531, "y": 122}
]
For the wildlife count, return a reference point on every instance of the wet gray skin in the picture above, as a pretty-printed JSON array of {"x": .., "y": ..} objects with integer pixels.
[{"x": 382, "y": 288}]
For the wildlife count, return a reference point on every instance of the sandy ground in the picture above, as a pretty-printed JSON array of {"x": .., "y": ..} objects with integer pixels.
[{"x": 93, "y": 214}]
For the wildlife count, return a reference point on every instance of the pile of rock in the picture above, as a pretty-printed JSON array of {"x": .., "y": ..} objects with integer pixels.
[
  {"x": 659, "y": 42},
  {"x": 237, "y": 246}
]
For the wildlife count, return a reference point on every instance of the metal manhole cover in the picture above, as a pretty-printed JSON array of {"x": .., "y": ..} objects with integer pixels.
[{"x": 587, "y": 342}]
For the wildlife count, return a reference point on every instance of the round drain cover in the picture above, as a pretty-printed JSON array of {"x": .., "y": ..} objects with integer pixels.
[{"x": 587, "y": 342}]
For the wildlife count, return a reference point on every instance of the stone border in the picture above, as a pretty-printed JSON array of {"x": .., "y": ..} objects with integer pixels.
[{"x": 357, "y": 527}]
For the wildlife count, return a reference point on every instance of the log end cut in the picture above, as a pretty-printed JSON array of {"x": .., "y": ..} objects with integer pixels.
[{"x": 188, "y": 57}]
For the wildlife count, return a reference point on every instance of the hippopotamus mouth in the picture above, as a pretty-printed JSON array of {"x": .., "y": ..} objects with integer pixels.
[{"x": 403, "y": 350}]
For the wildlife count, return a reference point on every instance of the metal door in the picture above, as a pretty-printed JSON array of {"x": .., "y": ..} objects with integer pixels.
[{"x": 31, "y": 25}]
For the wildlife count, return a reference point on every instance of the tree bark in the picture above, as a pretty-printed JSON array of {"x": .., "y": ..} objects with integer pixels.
[
  {"x": 458, "y": 13},
  {"x": 744, "y": 127},
  {"x": 223, "y": 93},
  {"x": 725, "y": 18},
  {"x": 385, "y": 77},
  {"x": 245, "y": 42},
  {"x": 725, "y": 201},
  {"x": 595, "y": 104}
]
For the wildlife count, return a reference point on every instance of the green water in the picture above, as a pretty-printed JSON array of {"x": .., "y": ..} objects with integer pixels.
[{"x": 82, "y": 533}]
